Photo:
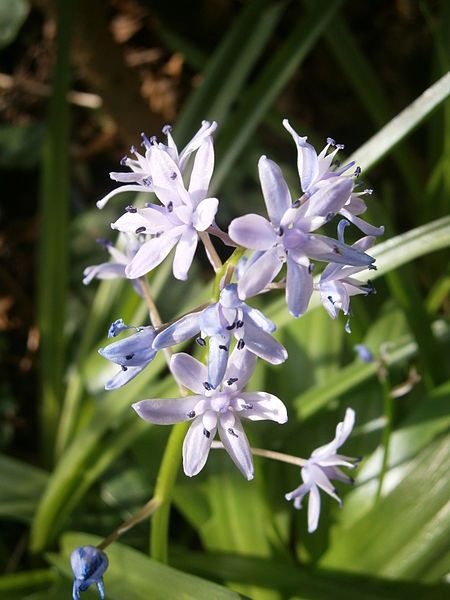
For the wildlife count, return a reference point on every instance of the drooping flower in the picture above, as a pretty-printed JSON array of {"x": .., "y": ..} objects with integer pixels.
[
  {"x": 288, "y": 236},
  {"x": 214, "y": 410},
  {"x": 140, "y": 179},
  {"x": 132, "y": 354},
  {"x": 88, "y": 565},
  {"x": 322, "y": 467},
  {"x": 184, "y": 213},
  {"x": 315, "y": 169},
  {"x": 116, "y": 268},
  {"x": 220, "y": 322},
  {"x": 336, "y": 285}
]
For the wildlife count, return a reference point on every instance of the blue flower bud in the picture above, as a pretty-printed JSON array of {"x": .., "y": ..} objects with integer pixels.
[
  {"x": 88, "y": 565},
  {"x": 363, "y": 353}
]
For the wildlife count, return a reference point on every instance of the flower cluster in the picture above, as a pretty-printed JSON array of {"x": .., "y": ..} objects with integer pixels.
[{"x": 234, "y": 334}]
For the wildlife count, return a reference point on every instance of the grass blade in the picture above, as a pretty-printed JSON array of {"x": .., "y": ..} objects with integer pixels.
[{"x": 53, "y": 247}]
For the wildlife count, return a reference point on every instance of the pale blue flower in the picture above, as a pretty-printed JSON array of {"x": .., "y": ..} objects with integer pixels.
[
  {"x": 288, "y": 236},
  {"x": 363, "y": 352},
  {"x": 140, "y": 179},
  {"x": 322, "y": 467},
  {"x": 337, "y": 285},
  {"x": 184, "y": 213},
  {"x": 214, "y": 410},
  {"x": 220, "y": 322},
  {"x": 132, "y": 353},
  {"x": 315, "y": 169},
  {"x": 88, "y": 565},
  {"x": 114, "y": 269}
]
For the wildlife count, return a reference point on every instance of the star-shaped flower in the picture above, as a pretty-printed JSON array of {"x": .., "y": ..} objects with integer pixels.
[
  {"x": 288, "y": 236},
  {"x": 141, "y": 177},
  {"x": 220, "y": 322},
  {"x": 214, "y": 410},
  {"x": 132, "y": 354},
  {"x": 323, "y": 466},
  {"x": 184, "y": 213}
]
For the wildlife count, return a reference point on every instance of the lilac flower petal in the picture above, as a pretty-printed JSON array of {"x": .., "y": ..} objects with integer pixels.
[
  {"x": 241, "y": 365},
  {"x": 307, "y": 163},
  {"x": 335, "y": 473},
  {"x": 132, "y": 350},
  {"x": 204, "y": 213},
  {"x": 167, "y": 180},
  {"x": 189, "y": 372},
  {"x": 320, "y": 479},
  {"x": 122, "y": 377},
  {"x": 205, "y": 130},
  {"x": 259, "y": 319},
  {"x": 313, "y": 508},
  {"x": 262, "y": 407},
  {"x": 321, "y": 247},
  {"x": 124, "y": 188},
  {"x": 329, "y": 198},
  {"x": 366, "y": 228},
  {"x": 202, "y": 171},
  {"x": 210, "y": 320},
  {"x": 236, "y": 444},
  {"x": 274, "y": 188},
  {"x": 196, "y": 446},
  {"x": 150, "y": 255},
  {"x": 133, "y": 177},
  {"x": 343, "y": 430},
  {"x": 264, "y": 345},
  {"x": 178, "y": 332},
  {"x": 167, "y": 411},
  {"x": 184, "y": 254},
  {"x": 252, "y": 231},
  {"x": 260, "y": 273},
  {"x": 153, "y": 218},
  {"x": 103, "y": 271},
  {"x": 298, "y": 494},
  {"x": 299, "y": 288},
  {"x": 219, "y": 347}
]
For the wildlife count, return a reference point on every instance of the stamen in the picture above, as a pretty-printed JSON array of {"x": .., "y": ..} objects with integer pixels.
[
  {"x": 280, "y": 231},
  {"x": 153, "y": 139},
  {"x": 123, "y": 160},
  {"x": 330, "y": 298},
  {"x": 200, "y": 341},
  {"x": 240, "y": 344},
  {"x": 336, "y": 250},
  {"x": 147, "y": 181},
  {"x": 207, "y": 386},
  {"x": 131, "y": 209},
  {"x": 191, "y": 414},
  {"x": 124, "y": 368},
  {"x": 239, "y": 324},
  {"x": 170, "y": 207},
  {"x": 231, "y": 380},
  {"x": 369, "y": 288},
  {"x": 247, "y": 406},
  {"x": 330, "y": 141},
  {"x": 310, "y": 268},
  {"x": 222, "y": 347},
  {"x": 336, "y": 163},
  {"x": 368, "y": 191},
  {"x": 372, "y": 268},
  {"x": 296, "y": 204},
  {"x": 145, "y": 141},
  {"x": 232, "y": 432},
  {"x": 206, "y": 433},
  {"x": 129, "y": 356},
  {"x": 167, "y": 129},
  {"x": 173, "y": 176},
  {"x": 133, "y": 149},
  {"x": 330, "y": 216},
  {"x": 340, "y": 146},
  {"x": 140, "y": 230},
  {"x": 230, "y": 327},
  {"x": 357, "y": 172}
]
